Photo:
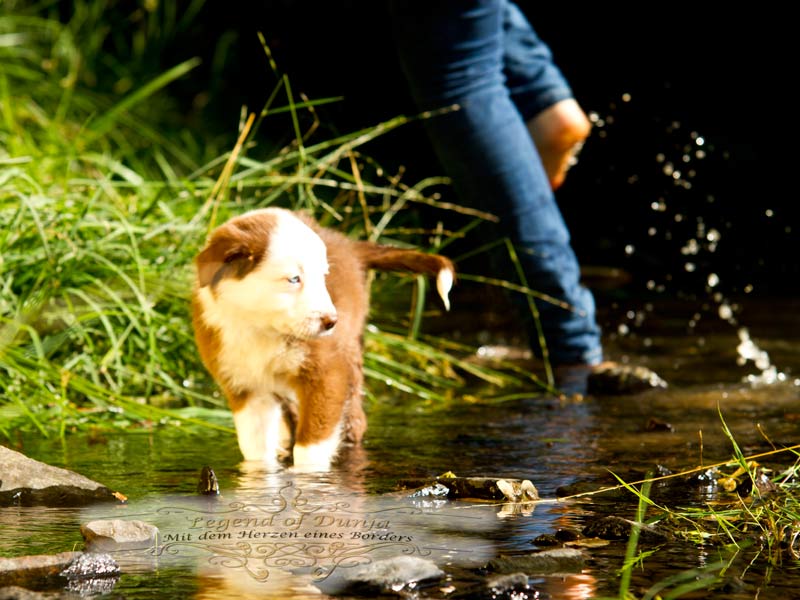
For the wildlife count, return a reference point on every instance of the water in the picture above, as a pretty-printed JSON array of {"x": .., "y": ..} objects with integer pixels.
[{"x": 554, "y": 443}]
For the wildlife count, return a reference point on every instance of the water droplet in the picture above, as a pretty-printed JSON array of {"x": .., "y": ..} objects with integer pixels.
[
  {"x": 713, "y": 280},
  {"x": 725, "y": 312},
  {"x": 659, "y": 205},
  {"x": 690, "y": 267},
  {"x": 629, "y": 249},
  {"x": 691, "y": 247},
  {"x": 623, "y": 329}
]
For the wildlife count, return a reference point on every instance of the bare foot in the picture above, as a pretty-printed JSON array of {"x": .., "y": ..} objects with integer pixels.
[{"x": 558, "y": 132}]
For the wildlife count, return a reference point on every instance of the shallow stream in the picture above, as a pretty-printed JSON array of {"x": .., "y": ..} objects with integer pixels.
[{"x": 562, "y": 446}]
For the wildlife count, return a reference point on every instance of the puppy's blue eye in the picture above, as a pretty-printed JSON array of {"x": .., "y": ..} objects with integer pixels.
[{"x": 295, "y": 279}]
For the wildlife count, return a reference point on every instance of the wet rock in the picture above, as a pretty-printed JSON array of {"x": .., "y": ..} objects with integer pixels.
[
  {"x": 91, "y": 565},
  {"x": 208, "y": 484},
  {"x": 393, "y": 574},
  {"x": 91, "y": 573},
  {"x": 117, "y": 534},
  {"x": 655, "y": 424},
  {"x": 546, "y": 539},
  {"x": 567, "y": 535},
  {"x": 561, "y": 536},
  {"x": 27, "y": 482},
  {"x": 437, "y": 490},
  {"x": 555, "y": 560},
  {"x": 760, "y": 480},
  {"x": 24, "y": 570},
  {"x": 617, "y": 528},
  {"x": 477, "y": 488},
  {"x": 609, "y": 528}
]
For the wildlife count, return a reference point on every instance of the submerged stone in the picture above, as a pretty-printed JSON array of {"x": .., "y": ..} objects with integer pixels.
[
  {"x": 28, "y": 482},
  {"x": 555, "y": 560},
  {"x": 394, "y": 574},
  {"x": 617, "y": 528}
]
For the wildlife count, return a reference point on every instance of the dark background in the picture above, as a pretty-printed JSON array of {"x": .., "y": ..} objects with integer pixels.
[{"x": 721, "y": 73}]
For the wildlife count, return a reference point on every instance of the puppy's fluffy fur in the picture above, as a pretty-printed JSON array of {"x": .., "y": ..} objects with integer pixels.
[{"x": 279, "y": 307}]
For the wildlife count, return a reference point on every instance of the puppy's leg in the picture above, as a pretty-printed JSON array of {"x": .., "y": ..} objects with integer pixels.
[
  {"x": 321, "y": 404},
  {"x": 355, "y": 421},
  {"x": 258, "y": 423}
]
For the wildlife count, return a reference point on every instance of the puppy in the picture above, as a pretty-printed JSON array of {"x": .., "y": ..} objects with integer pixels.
[{"x": 279, "y": 308}]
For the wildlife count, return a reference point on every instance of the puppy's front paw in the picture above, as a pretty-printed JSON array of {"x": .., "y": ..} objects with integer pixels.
[{"x": 315, "y": 457}]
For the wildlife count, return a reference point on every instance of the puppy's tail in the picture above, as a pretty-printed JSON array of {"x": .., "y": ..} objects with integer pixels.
[{"x": 388, "y": 258}]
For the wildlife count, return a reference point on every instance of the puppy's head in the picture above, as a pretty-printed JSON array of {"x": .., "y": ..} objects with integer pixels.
[{"x": 267, "y": 268}]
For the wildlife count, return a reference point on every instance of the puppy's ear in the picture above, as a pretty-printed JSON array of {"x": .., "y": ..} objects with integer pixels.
[
  {"x": 225, "y": 256},
  {"x": 235, "y": 248}
]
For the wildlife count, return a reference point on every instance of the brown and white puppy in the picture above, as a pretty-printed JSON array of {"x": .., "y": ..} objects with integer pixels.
[{"x": 279, "y": 308}]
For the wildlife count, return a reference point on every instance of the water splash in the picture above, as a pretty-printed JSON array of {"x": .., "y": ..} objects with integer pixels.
[
  {"x": 678, "y": 220},
  {"x": 749, "y": 351}
]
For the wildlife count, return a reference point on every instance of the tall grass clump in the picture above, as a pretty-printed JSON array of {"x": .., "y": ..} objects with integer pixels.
[
  {"x": 92, "y": 271},
  {"x": 105, "y": 198}
]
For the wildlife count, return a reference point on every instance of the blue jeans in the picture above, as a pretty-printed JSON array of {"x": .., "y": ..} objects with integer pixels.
[{"x": 484, "y": 56}]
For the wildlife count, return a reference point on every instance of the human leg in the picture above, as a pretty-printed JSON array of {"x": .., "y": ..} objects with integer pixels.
[
  {"x": 453, "y": 53},
  {"x": 543, "y": 96}
]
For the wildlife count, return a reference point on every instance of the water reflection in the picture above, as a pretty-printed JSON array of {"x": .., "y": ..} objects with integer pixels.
[{"x": 285, "y": 533}]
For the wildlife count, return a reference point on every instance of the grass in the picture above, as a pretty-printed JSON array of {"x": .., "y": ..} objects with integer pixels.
[
  {"x": 105, "y": 200},
  {"x": 754, "y": 515}
]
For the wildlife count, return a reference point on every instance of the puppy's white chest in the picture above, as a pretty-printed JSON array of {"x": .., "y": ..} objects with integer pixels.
[{"x": 253, "y": 362}]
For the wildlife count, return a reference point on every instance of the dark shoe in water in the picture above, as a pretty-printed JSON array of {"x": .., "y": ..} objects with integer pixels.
[
  {"x": 611, "y": 378},
  {"x": 607, "y": 379}
]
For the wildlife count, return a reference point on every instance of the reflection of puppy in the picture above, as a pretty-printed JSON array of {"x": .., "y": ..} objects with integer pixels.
[{"x": 279, "y": 310}]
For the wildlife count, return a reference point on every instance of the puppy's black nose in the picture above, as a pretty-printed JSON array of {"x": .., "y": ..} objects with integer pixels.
[{"x": 329, "y": 321}]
